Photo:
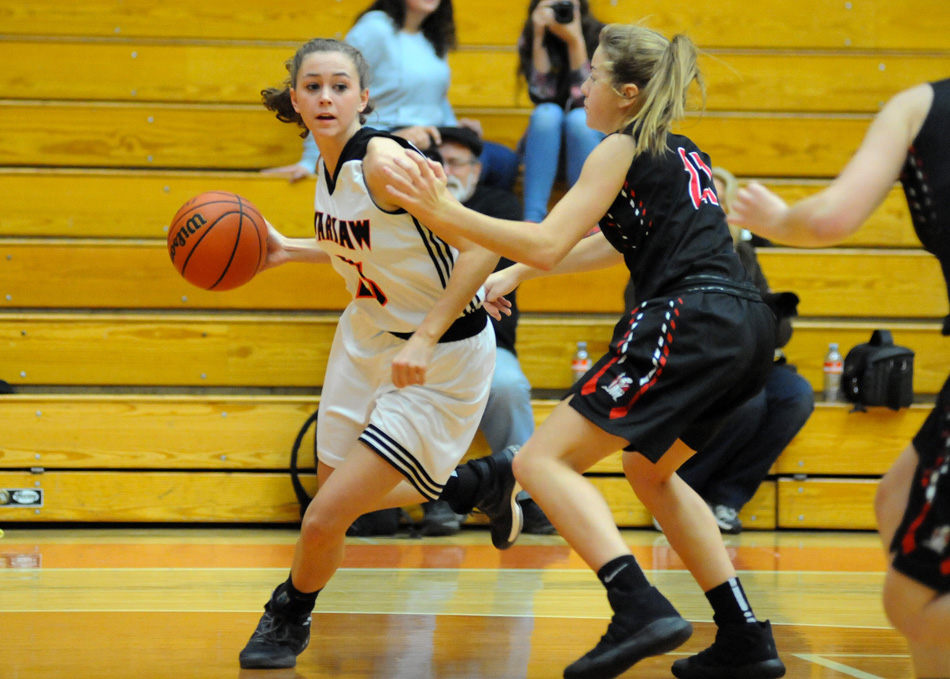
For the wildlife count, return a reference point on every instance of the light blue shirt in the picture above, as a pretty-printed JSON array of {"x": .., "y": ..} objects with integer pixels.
[{"x": 409, "y": 82}]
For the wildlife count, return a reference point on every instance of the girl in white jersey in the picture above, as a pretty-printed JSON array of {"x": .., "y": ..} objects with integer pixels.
[{"x": 410, "y": 368}]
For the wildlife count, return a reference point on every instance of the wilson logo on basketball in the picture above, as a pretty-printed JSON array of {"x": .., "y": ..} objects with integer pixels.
[{"x": 188, "y": 228}]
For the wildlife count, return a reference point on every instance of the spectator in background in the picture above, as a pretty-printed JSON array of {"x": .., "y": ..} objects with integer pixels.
[
  {"x": 406, "y": 43},
  {"x": 554, "y": 60},
  {"x": 509, "y": 418},
  {"x": 728, "y": 470}
]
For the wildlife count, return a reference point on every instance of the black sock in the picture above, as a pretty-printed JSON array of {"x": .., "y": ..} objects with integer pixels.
[
  {"x": 461, "y": 491},
  {"x": 623, "y": 574},
  {"x": 729, "y": 603},
  {"x": 292, "y": 602}
]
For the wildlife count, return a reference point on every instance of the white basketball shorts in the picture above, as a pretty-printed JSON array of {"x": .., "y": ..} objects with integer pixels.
[{"x": 421, "y": 430}]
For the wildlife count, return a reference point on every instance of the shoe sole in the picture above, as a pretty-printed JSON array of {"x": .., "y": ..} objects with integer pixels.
[
  {"x": 767, "y": 669},
  {"x": 264, "y": 664},
  {"x": 659, "y": 637},
  {"x": 517, "y": 521}
]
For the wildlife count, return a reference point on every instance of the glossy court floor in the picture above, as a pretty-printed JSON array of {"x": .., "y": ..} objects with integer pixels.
[{"x": 143, "y": 603}]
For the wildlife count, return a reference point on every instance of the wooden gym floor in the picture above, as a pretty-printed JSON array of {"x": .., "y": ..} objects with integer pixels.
[{"x": 143, "y": 603}]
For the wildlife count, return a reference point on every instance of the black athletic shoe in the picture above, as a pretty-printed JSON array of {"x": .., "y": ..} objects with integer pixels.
[
  {"x": 741, "y": 651},
  {"x": 438, "y": 519},
  {"x": 535, "y": 521},
  {"x": 498, "y": 497},
  {"x": 644, "y": 624},
  {"x": 276, "y": 642}
]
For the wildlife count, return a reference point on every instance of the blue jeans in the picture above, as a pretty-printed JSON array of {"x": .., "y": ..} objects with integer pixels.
[
  {"x": 550, "y": 129},
  {"x": 500, "y": 166},
  {"x": 729, "y": 469},
  {"x": 508, "y": 418}
]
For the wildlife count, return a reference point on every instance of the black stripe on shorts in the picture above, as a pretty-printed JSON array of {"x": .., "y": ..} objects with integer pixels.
[{"x": 402, "y": 460}]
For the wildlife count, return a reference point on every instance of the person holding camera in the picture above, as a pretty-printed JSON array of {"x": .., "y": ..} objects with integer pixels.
[
  {"x": 728, "y": 470},
  {"x": 554, "y": 52}
]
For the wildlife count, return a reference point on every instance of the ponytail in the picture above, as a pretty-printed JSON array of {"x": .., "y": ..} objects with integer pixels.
[{"x": 662, "y": 70}]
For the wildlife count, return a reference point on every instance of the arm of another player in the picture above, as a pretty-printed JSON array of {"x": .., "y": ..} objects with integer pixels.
[
  {"x": 281, "y": 250},
  {"x": 591, "y": 254},
  {"x": 419, "y": 188},
  {"x": 831, "y": 215}
]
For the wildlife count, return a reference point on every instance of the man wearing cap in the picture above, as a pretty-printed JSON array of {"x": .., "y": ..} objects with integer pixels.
[{"x": 508, "y": 418}]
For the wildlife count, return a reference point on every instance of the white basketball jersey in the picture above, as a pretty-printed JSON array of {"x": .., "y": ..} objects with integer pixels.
[{"x": 394, "y": 267}]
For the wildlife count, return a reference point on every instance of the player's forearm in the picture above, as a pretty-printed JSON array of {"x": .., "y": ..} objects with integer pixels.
[
  {"x": 469, "y": 273},
  {"x": 305, "y": 250}
]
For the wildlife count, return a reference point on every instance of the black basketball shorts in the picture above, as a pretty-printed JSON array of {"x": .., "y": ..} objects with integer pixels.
[
  {"x": 676, "y": 367},
  {"x": 921, "y": 546}
]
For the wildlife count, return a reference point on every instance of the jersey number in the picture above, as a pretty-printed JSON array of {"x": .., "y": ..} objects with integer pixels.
[
  {"x": 697, "y": 192},
  {"x": 367, "y": 287}
]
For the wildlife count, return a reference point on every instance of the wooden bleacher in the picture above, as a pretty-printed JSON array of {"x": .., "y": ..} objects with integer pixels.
[{"x": 143, "y": 399}]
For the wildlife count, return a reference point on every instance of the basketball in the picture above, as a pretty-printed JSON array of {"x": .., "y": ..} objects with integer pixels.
[{"x": 217, "y": 240}]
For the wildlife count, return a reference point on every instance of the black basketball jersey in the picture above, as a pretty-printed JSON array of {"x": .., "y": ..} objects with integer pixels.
[
  {"x": 926, "y": 181},
  {"x": 668, "y": 224}
]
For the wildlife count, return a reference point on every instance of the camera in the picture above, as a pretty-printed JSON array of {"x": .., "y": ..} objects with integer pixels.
[{"x": 563, "y": 11}]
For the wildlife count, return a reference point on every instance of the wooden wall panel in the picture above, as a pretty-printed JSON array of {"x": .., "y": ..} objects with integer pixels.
[
  {"x": 188, "y": 497},
  {"x": 115, "y": 431},
  {"x": 291, "y": 351},
  {"x": 165, "y": 350},
  {"x": 138, "y": 274},
  {"x": 837, "y": 441},
  {"x": 104, "y": 203},
  {"x": 107, "y": 203},
  {"x": 242, "y": 137},
  {"x": 237, "y": 72},
  {"x": 870, "y": 24},
  {"x": 841, "y": 504},
  {"x": 859, "y": 283}
]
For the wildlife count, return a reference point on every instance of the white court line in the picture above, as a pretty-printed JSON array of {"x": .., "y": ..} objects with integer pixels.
[{"x": 831, "y": 664}]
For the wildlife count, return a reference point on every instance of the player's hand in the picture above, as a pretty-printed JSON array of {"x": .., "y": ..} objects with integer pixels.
[
  {"x": 420, "y": 187},
  {"x": 497, "y": 307},
  {"x": 412, "y": 361},
  {"x": 500, "y": 283},
  {"x": 276, "y": 251},
  {"x": 757, "y": 208},
  {"x": 472, "y": 124},
  {"x": 294, "y": 173}
]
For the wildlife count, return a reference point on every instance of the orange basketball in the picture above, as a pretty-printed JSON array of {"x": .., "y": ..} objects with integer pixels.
[{"x": 217, "y": 240}]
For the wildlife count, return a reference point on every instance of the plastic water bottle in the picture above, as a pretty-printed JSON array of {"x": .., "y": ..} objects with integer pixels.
[
  {"x": 834, "y": 366},
  {"x": 581, "y": 362}
]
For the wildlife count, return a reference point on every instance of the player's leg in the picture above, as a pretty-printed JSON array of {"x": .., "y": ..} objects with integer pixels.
[
  {"x": 918, "y": 611},
  {"x": 550, "y": 467},
  {"x": 922, "y": 615},
  {"x": 359, "y": 484},
  {"x": 744, "y": 646}
]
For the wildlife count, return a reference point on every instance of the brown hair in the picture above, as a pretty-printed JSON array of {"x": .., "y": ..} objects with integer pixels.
[
  {"x": 663, "y": 71},
  {"x": 277, "y": 99}
]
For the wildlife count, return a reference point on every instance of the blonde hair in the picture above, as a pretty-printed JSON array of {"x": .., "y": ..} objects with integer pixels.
[
  {"x": 663, "y": 71},
  {"x": 730, "y": 186}
]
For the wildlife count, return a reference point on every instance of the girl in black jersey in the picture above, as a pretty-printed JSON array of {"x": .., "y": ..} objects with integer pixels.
[
  {"x": 908, "y": 140},
  {"x": 698, "y": 343}
]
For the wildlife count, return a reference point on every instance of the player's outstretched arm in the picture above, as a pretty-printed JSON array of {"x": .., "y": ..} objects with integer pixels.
[
  {"x": 281, "y": 250},
  {"x": 831, "y": 215}
]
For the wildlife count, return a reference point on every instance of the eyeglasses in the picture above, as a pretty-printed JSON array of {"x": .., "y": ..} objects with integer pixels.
[{"x": 458, "y": 163}]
